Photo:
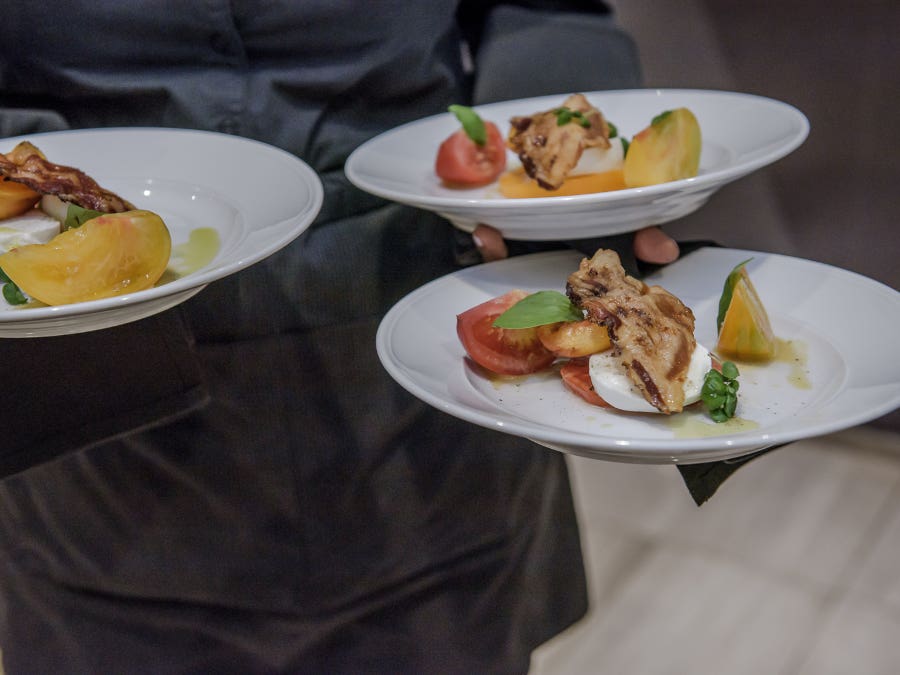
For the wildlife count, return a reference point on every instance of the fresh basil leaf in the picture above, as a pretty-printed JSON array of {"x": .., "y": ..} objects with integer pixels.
[
  {"x": 4, "y": 279},
  {"x": 539, "y": 309},
  {"x": 76, "y": 216},
  {"x": 625, "y": 145},
  {"x": 472, "y": 124},
  {"x": 728, "y": 293},
  {"x": 613, "y": 129}
]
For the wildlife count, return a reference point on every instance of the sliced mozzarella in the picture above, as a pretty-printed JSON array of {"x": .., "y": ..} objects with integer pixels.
[
  {"x": 613, "y": 385},
  {"x": 33, "y": 227},
  {"x": 598, "y": 160}
]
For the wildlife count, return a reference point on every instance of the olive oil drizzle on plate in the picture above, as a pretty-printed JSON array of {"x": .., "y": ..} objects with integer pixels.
[
  {"x": 198, "y": 251},
  {"x": 794, "y": 354},
  {"x": 695, "y": 426}
]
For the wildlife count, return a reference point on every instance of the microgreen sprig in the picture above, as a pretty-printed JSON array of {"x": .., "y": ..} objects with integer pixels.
[
  {"x": 11, "y": 292},
  {"x": 719, "y": 392},
  {"x": 565, "y": 115}
]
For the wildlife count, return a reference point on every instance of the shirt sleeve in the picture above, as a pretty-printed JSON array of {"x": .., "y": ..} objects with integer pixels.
[{"x": 528, "y": 49}]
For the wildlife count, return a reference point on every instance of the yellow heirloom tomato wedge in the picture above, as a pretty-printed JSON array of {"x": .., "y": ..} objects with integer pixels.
[
  {"x": 667, "y": 150},
  {"x": 112, "y": 254},
  {"x": 745, "y": 333}
]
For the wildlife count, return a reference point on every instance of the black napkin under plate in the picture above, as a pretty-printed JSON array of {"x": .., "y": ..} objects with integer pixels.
[{"x": 702, "y": 480}]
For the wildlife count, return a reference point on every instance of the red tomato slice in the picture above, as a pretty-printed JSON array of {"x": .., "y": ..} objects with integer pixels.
[
  {"x": 460, "y": 161},
  {"x": 505, "y": 351},
  {"x": 577, "y": 377}
]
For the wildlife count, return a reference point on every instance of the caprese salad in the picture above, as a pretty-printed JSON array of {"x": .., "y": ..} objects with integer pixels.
[
  {"x": 567, "y": 150},
  {"x": 616, "y": 342}
]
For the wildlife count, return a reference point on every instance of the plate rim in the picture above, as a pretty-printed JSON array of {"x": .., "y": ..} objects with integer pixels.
[{"x": 656, "y": 451}]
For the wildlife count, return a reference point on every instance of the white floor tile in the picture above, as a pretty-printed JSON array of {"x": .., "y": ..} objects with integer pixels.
[
  {"x": 858, "y": 640},
  {"x": 792, "y": 566},
  {"x": 877, "y": 577},
  {"x": 802, "y": 511},
  {"x": 686, "y": 613},
  {"x": 638, "y": 498}
]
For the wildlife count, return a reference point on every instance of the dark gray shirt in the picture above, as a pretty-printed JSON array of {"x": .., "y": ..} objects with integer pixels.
[{"x": 308, "y": 483}]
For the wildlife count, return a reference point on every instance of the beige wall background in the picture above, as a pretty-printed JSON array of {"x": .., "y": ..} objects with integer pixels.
[{"x": 837, "y": 198}]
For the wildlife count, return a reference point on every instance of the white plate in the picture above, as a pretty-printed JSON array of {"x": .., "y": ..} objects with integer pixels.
[
  {"x": 741, "y": 133},
  {"x": 843, "y": 329},
  {"x": 257, "y": 197}
]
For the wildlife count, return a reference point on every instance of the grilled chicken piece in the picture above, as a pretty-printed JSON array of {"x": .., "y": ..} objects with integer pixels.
[
  {"x": 651, "y": 330},
  {"x": 549, "y": 150},
  {"x": 26, "y": 164}
]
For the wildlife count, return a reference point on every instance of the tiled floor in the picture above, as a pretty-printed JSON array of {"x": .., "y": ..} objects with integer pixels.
[{"x": 792, "y": 568}]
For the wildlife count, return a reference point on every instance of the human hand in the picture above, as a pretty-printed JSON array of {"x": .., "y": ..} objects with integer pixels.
[{"x": 651, "y": 245}]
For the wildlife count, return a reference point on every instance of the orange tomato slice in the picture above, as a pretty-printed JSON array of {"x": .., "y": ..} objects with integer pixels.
[
  {"x": 16, "y": 199},
  {"x": 110, "y": 255}
]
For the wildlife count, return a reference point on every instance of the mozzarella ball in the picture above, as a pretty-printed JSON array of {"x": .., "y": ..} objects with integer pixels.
[
  {"x": 613, "y": 385},
  {"x": 598, "y": 160},
  {"x": 33, "y": 227}
]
